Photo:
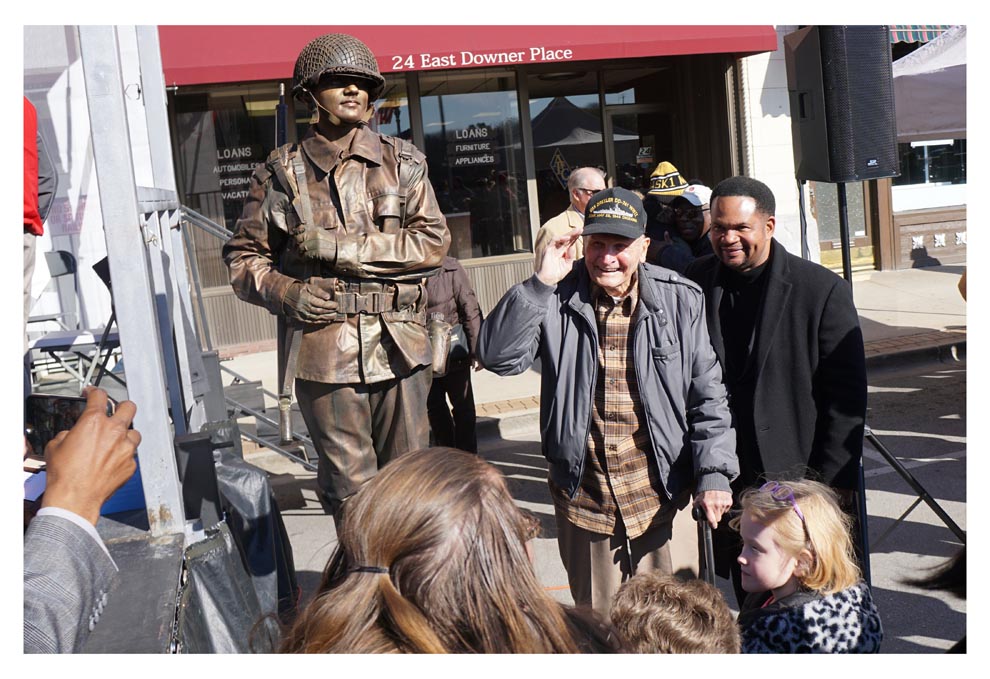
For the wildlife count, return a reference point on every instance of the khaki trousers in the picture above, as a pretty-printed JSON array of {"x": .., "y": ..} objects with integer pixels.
[
  {"x": 598, "y": 564},
  {"x": 358, "y": 428}
]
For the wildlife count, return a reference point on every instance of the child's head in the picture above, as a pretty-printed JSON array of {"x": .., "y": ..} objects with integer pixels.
[
  {"x": 658, "y": 613},
  {"x": 795, "y": 534}
]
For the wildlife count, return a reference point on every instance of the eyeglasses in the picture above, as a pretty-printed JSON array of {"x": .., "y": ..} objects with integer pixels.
[
  {"x": 588, "y": 192},
  {"x": 783, "y": 493},
  {"x": 689, "y": 212},
  {"x": 331, "y": 81}
]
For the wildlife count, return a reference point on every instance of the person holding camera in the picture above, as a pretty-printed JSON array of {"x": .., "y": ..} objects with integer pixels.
[{"x": 68, "y": 571}]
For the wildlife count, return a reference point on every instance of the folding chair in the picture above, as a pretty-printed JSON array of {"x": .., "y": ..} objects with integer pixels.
[{"x": 82, "y": 343}]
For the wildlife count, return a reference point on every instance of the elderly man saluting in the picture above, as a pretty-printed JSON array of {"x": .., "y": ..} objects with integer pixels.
[{"x": 632, "y": 408}]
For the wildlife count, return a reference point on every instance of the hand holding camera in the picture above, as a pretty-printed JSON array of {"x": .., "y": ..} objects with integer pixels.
[{"x": 90, "y": 461}]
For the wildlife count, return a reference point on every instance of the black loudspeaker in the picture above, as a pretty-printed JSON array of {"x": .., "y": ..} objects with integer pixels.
[{"x": 841, "y": 91}]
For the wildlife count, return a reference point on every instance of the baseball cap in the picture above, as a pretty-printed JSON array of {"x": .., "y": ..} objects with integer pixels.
[
  {"x": 697, "y": 194},
  {"x": 616, "y": 211}
]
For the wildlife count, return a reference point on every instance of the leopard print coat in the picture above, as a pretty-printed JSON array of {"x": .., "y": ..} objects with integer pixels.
[{"x": 808, "y": 622}]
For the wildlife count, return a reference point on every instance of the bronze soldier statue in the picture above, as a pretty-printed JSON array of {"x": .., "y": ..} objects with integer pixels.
[{"x": 336, "y": 237}]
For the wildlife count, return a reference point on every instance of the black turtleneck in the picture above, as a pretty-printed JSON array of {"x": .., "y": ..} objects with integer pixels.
[
  {"x": 742, "y": 293},
  {"x": 742, "y": 298}
]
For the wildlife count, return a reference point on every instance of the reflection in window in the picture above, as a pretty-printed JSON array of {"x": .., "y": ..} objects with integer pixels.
[
  {"x": 643, "y": 136},
  {"x": 941, "y": 161},
  {"x": 477, "y": 168},
  {"x": 392, "y": 116},
  {"x": 627, "y": 96},
  {"x": 223, "y": 134},
  {"x": 567, "y": 133},
  {"x": 631, "y": 85}
]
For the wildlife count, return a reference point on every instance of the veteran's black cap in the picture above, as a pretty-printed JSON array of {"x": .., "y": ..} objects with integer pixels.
[{"x": 615, "y": 211}]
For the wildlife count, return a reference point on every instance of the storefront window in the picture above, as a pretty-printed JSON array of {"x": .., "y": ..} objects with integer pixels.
[
  {"x": 567, "y": 133},
  {"x": 392, "y": 109},
  {"x": 222, "y": 135},
  {"x": 476, "y": 161},
  {"x": 933, "y": 175},
  {"x": 941, "y": 161},
  {"x": 632, "y": 85}
]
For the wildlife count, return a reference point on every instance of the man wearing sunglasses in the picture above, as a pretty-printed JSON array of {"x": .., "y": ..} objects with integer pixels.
[
  {"x": 336, "y": 236},
  {"x": 582, "y": 184},
  {"x": 787, "y": 335},
  {"x": 692, "y": 219}
]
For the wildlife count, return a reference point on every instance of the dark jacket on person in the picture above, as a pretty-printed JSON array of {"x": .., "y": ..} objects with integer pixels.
[
  {"x": 807, "y": 365},
  {"x": 678, "y": 255},
  {"x": 450, "y": 293},
  {"x": 679, "y": 378}
]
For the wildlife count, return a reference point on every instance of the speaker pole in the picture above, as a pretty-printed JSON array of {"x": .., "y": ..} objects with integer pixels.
[
  {"x": 862, "y": 517},
  {"x": 844, "y": 234}
]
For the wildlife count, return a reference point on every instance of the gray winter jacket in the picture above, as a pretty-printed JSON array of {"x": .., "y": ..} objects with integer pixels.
[{"x": 680, "y": 380}]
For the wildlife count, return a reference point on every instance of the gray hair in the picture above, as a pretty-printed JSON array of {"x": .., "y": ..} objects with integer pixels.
[{"x": 579, "y": 174}]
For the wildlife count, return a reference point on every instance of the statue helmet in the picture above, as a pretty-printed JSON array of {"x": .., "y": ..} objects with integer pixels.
[{"x": 335, "y": 53}]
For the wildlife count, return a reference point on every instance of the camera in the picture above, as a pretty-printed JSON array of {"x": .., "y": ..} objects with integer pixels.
[{"x": 45, "y": 415}]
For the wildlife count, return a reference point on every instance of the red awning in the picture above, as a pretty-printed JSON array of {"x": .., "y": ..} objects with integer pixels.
[{"x": 221, "y": 54}]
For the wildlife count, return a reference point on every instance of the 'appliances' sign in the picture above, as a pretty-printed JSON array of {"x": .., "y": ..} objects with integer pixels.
[
  {"x": 474, "y": 145},
  {"x": 426, "y": 60}
]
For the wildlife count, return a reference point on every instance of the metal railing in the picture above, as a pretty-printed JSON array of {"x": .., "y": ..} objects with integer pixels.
[{"x": 210, "y": 227}]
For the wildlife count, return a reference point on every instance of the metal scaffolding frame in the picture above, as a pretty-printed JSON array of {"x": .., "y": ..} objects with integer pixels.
[{"x": 164, "y": 371}]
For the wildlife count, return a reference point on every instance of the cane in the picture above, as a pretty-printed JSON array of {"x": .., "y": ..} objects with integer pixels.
[{"x": 705, "y": 543}]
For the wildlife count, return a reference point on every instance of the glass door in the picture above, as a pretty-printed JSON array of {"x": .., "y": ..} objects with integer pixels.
[{"x": 638, "y": 138}]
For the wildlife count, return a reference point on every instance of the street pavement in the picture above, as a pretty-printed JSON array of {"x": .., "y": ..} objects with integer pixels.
[{"x": 914, "y": 323}]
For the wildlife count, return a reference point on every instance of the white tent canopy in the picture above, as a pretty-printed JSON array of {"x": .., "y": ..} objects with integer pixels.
[{"x": 930, "y": 89}]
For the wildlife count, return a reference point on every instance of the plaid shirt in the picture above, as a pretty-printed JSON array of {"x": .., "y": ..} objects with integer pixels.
[{"x": 620, "y": 480}]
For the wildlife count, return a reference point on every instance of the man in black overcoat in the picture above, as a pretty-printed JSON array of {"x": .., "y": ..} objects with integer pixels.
[{"x": 788, "y": 337}]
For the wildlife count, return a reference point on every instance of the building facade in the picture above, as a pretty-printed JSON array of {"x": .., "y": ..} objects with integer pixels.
[{"x": 502, "y": 113}]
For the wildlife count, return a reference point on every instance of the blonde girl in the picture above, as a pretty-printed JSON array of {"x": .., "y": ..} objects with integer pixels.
[{"x": 797, "y": 562}]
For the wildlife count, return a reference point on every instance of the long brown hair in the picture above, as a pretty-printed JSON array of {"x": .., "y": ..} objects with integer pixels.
[{"x": 443, "y": 569}]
